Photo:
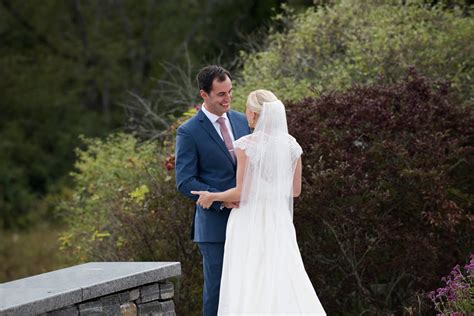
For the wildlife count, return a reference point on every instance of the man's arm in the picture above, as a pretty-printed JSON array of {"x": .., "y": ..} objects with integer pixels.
[{"x": 187, "y": 167}]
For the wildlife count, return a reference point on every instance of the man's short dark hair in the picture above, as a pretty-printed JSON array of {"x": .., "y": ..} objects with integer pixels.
[{"x": 206, "y": 76}]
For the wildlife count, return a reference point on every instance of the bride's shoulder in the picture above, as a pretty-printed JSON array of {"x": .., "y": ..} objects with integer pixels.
[
  {"x": 292, "y": 140},
  {"x": 244, "y": 141},
  {"x": 295, "y": 146}
]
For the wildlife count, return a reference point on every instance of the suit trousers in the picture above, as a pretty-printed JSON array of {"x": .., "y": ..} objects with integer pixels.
[{"x": 212, "y": 259}]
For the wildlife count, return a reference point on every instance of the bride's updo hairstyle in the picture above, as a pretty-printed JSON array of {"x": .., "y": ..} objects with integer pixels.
[{"x": 256, "y": 99}]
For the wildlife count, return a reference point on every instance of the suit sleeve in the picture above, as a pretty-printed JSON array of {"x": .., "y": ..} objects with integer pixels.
[{"x": 187, "y": 159}]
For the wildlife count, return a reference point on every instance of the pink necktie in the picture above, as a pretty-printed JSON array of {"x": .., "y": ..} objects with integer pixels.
[{"x": 226, "y": 136}]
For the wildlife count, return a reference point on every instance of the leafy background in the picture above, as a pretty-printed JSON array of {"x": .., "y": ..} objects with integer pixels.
[{"x": 378, "y": 93}]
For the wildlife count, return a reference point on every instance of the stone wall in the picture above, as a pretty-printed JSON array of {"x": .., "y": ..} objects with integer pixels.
[
  {"x": 152, "y": 299},
  {"x": 97, "y": 288}
]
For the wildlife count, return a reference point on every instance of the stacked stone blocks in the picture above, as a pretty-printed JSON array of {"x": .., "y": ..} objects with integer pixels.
[
  {"x": 97, "y": 288},
  {"x": 154, "y": 299}
]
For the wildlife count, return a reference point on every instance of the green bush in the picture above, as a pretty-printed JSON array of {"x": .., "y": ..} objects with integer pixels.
[
  {"x": 386, "y": 207},
  {"x": 352, "y": 41},
  {"x": 125, "y": 207}
]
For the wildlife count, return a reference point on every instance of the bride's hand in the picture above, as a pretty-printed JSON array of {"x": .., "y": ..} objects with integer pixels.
[
  {"x": 205, "y": 198},
  {"x": 231, "y": 204}
]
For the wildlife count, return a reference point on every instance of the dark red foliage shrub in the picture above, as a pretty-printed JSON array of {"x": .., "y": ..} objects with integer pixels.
[{"x": 387, "y": 198}]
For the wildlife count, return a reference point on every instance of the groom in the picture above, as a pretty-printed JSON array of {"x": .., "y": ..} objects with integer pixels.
[{"x": 205, "y": 161}]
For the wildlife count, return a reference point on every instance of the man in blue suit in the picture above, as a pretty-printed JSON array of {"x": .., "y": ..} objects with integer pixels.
[{"x": 205, "y": 161}]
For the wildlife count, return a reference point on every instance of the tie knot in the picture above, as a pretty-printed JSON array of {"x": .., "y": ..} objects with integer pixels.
[{"x": 221, "y": 120}]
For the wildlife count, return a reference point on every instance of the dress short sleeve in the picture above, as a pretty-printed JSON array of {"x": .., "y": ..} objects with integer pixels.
[
  {"x": 241, "y": 143},
  {"x": 246, "y": 144},
  {"x": 295, "y": 148}
]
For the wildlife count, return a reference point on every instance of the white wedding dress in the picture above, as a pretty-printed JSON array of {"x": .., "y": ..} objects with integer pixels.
[{"x": 263, "y": 272}]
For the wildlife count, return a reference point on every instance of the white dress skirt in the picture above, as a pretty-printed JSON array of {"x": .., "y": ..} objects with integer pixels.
[{"x": 263, "y": 272}]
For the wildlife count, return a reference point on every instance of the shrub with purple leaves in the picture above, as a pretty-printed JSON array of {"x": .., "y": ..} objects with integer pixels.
[
  {"x": 457, "y": 297},
  {"x": 387, "y": 199}
]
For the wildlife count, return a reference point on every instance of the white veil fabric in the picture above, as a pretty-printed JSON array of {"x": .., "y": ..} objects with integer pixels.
[
  {"x": 263, "y": 272},
  {"x": 271, "y": 160}
]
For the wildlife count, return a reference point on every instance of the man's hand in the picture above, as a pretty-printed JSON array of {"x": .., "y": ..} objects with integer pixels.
[
  {"x": 205, "y": 198},
  {"x": 231, "y": 204}
]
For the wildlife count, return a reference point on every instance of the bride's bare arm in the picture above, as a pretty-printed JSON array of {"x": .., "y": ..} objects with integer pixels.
[
  {"x": 232, "y": 195},
  {"x": 297, "y": 179}
]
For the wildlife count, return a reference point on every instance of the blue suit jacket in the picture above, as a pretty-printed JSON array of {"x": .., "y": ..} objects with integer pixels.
[{"x": 203, "y": 163}]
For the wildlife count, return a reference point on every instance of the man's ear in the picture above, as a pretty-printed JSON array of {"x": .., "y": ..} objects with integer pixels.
[{"x": 203, "y": 94}]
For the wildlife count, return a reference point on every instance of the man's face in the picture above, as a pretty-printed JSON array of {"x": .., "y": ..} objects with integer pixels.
[{"x": 218, "y": 100}]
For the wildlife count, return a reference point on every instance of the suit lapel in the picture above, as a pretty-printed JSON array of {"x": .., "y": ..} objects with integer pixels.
[
  {"x": 210, "y": 129},
  {"x": 232, "y": 125},
  {"x": 236, "y": 129}
]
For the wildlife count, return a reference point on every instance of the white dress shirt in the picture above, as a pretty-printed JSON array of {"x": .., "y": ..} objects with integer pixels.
[{"x": 213, "y": 118}]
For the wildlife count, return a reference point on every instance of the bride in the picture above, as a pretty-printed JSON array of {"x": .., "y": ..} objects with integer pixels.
[{"x": 263, "y": 272}]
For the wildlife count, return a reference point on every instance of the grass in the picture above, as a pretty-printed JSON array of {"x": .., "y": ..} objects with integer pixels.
[{"x": 26, "y": 253}]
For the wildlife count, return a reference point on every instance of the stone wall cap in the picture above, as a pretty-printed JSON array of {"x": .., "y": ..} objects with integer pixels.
[{"x": 53, "y": 290}]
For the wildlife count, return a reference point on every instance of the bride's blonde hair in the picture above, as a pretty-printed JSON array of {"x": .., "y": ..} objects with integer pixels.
[{"x": 256, "y": 99}]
